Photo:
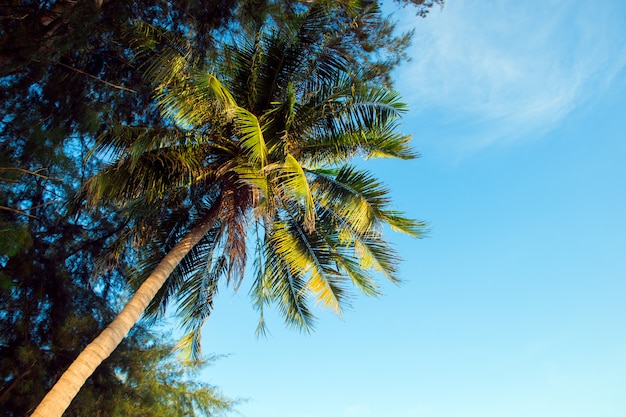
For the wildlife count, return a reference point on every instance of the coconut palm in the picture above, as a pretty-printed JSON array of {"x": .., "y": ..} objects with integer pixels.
[{"x": 259, "y": 157}]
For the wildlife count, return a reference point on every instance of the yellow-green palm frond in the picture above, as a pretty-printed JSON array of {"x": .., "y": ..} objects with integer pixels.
[
  {"x": 195, "y": 100},
  {"x": 209, "y": 82},
  {"x": 340, "y": 147},
  {"x": 307, "y": 254},
  {"x": 361, "y": 200},
  {"x": 386, "y": 142},
  {"x": 355, "y": 195},
  {"x": 353, "y": 209},
  {"x": 251, "y": 136},
  {"x": 276, "y": 283},
  {"x": 361, "y": 278},
  {"x": 254, "y": 177},
  {"x": 398, "y": 222},
  {"x": 359, "y": 253},
  {"x": 292, "y": 178}
]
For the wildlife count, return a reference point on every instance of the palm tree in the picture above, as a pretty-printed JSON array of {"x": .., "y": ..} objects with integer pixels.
[{"x": 264, "y": 149}]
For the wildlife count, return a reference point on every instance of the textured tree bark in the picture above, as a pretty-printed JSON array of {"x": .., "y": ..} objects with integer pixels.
[{"x": 63, "y": 392}]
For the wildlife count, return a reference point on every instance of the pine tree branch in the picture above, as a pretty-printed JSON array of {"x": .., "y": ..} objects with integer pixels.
[
  {"x": 21, "y": 212},
  {"x": 96, "y": 78},
  {"x": 25, "y": 171}
]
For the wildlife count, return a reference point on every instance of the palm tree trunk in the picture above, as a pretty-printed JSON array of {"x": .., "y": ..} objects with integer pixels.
[{"x": 63, "y": 392}]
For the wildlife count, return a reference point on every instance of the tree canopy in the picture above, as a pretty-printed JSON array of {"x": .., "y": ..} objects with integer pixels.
[
  {"x": 270, "y": 144},
  {"x": 260, "y": 121}
]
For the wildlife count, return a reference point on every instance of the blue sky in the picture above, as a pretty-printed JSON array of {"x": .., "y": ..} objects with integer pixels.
[{"x": 514, "y": 304}]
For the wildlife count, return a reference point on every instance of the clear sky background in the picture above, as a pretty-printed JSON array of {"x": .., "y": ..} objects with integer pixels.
[{"x": 514, "y": 306}]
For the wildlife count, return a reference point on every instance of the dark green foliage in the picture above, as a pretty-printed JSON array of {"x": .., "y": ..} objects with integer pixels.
[
  {"x": 142, "y": 378},
  {"x": 52, "y": 304},
  {"x": 37, "y": 33}
]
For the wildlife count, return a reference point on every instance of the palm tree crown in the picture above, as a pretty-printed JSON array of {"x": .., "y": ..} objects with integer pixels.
[{"x": 264, "y": 146}]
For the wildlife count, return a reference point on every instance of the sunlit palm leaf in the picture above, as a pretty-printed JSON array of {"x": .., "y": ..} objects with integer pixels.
[
  {"x": 277, "y": 283},
  {"x": 307, "y": 255},
  {"x": 251, "y": 136},
  {"x": 294, "y": 180}
]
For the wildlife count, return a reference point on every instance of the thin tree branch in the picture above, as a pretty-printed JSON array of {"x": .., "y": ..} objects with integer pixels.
[
  {"x": 13, "y": 17},
  {"x": 23, "y": 213},
  {"x": 39, "y": 123},
  {"x": 96, "y": 78},
  {"x": 25, "y": 171},
  {"x": 58, "y": 200}
]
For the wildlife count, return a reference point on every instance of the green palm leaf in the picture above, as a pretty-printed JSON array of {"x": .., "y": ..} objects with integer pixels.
[{"x": 251, "y": 136}]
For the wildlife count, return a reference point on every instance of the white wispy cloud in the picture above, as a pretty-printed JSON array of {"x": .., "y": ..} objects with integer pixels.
[{"x": 511, "y": 69}]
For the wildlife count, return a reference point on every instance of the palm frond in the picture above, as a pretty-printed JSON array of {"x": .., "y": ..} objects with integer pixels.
[
  {"x": 196, "y": 303},
  {"x": 195, "y": 100},
  {"x": 375, "y": 105},
  {"x": 354, "y": 189},
  {"x": 277, "y": 283},
  {"x": 355, "y": 246},
  {"x": 355, "y": 195},
  {"x": 251, "y": 136},
  {"x": 151, "y": 176},
  {"x": 294, "y": 180},
  {"x": 398, "y": 222},
  {"x": 307, "y": 255}
]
